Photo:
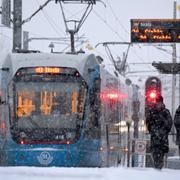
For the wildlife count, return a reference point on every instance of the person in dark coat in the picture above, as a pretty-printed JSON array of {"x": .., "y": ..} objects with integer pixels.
[
  {"x": 159, "y": 123},
  {"x": 177, "y": 126}
]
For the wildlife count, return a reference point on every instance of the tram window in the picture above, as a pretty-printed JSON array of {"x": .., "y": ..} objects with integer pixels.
[
  {"x": 49, "y": 99},
  {"x": 50, "y": 103},
  {"x": 45, "y": 107},
  {"x": 95, "y": 103},
  {"x": 25, "y": 103},
  {"x": 74, "y": 102},
  {"x": 93, "y": 130}
]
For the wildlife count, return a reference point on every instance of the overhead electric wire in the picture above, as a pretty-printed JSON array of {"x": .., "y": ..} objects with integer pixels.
[
  {"x": 123, "y": 27},
  {"x": 51, "y": 22},
  {"x": 166, "y": 51},
  {"x": 116, "y": 18},
  {"x": 108, "y": 25},
  {"x": 113, "y": 30},
  {"x": 36, "y": 12}
]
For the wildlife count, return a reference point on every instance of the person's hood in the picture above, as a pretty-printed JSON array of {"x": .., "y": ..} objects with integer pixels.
[{"x": 160, "y": 106}]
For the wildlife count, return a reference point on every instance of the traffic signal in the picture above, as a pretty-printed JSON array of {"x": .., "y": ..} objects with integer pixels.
[{"x": 152, "y": 91}]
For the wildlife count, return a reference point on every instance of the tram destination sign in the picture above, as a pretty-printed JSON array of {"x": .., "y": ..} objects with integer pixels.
[{"x": 155, "y": 30}]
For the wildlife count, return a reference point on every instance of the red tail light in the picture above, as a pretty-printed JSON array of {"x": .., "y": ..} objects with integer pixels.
[
  {"x": 3, "y": 125},
  {"x": 21, "y": 142},
  {"x": 112, "y": 96},
  {"x": 116, "y": 96},
  {"x": 101, "y": 148}
]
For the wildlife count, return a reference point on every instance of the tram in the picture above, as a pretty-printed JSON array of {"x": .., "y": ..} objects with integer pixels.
[{"x": 60, "y": 110}]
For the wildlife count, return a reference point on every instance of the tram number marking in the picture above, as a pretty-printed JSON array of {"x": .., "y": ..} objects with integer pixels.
[{"x": 45, "y": 158}]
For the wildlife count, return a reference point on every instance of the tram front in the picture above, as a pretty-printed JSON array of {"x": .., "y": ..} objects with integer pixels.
[{"x": 46, "y": 115}]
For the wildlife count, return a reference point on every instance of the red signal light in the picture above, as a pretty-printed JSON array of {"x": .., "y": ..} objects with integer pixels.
[
  {"x": 152, "y": 91},
  {"x": 153, "y": 95}
]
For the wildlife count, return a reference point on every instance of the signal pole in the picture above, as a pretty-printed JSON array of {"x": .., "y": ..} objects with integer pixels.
[
  {"x": 135, "y": 118},
  {"x": 17, "y": 24}
]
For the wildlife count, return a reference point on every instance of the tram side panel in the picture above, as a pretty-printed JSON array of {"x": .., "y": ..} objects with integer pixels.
[
  {"x": 110, "y": 117},
  {"x": 4, "y": 113}
]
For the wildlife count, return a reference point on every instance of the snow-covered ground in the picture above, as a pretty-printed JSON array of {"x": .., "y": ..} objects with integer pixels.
[{"x": 54, "y": 173}]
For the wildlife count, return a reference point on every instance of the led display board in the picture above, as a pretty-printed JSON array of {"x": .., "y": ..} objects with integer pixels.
[{"x": 155, "y": 30}]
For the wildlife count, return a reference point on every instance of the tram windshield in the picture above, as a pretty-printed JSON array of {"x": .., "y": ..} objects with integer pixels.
[{"x": 48, "y": 107}]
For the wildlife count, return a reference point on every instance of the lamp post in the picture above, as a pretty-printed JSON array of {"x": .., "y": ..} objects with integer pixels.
[
  {"x": 51, "y": 46},
  {"x": 128, "y": 123}
]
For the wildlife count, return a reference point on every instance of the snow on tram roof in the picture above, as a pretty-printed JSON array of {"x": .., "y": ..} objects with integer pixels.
[{"x": 19, "y": 60}]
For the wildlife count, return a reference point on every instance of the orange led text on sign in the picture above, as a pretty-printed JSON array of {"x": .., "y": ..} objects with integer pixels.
[
  {"x": 135, "y": 30},
  {"x": 162, "y": 37},
  {"x": 143, "y": 37},
  {"x": 153, "y": 31},
  {"x": 47, "y": 70}
]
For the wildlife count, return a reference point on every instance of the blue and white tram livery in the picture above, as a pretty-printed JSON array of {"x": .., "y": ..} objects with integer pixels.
[{"x": 57, "y": 110}]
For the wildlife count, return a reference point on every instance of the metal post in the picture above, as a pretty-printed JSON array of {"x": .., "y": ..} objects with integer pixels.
[
  {"x": 25, "y": 40},
  {"x": 128, "y": 141},
  {"x": 72, "y": 41},
  {"x": 17, "y": 25},
  {"x": 119, "y": 129},
  {"x": 179, "y": 52},
  {"x": 174, "y": 76},
  {"x": 107, "y": 139},
  {"x": 135, "y": 118}
]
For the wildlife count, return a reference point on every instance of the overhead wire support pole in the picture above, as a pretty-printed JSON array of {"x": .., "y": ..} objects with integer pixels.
[
  {"x": 120, "y": 69},
  {"x": 64, "y": 17},
  {"x": 80, "y": 22},
  {"x": 112, "y": 43},
  {"x": 17, "y": 25},
  {"x": 109, "y": 53},
  {"x": 85, "y": 15},
  {"x": 78, "y": 1}
]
